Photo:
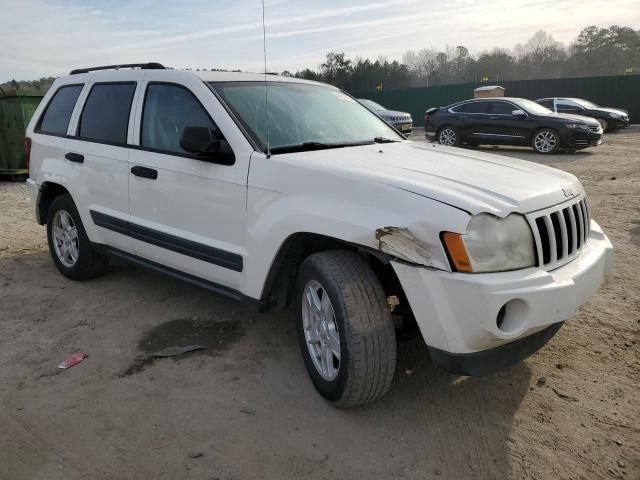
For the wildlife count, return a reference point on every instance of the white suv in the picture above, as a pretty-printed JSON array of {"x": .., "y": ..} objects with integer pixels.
[{"x": 279, "y": 190}]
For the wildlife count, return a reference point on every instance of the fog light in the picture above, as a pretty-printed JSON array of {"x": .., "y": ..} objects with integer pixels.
[{"x": 512, "y": 317}]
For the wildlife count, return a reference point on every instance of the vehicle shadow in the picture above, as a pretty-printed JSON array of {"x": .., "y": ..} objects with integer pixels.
[
  {"x": 461, "y": 424},
  {"x": 430, "y": 423}
]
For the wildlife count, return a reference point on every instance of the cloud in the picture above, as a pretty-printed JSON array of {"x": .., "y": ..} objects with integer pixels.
[{"x": 66, "y": 34}]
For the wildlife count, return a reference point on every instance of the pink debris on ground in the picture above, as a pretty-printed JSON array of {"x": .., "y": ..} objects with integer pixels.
[{"x": 72, "y": 360}]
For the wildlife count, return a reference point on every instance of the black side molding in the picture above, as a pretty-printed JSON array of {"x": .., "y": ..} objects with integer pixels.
[
  {"x": 171, "y": 272},
  {"x": 215, "y": 256},
  {"x": 486, "y": 362}
]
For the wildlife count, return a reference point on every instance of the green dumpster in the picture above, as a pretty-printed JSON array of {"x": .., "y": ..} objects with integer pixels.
[{"x": 16, "y": 109}]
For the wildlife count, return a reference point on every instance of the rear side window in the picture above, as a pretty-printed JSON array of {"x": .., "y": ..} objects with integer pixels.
[
  {"x": 56, "y": 117},
  {"x": 105, "y": 117},
  {"x": 472, "y": 107},
  {"x": 547, "y": 103},
  {"x": 167, "y": 110}
]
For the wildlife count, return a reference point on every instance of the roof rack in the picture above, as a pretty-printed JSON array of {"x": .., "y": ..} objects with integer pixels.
[{"x": 143, "y": 66}]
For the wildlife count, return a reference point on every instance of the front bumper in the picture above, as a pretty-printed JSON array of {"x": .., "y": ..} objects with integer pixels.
[
  {"x": 584, "y": 139},
  {"x": 458, "y": 312},
  {"x": 403, "y": 127}
]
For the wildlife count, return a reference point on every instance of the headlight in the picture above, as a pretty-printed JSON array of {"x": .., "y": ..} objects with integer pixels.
[
  {"x": 615, "y": 115},
  {"x": 580, "y": 126},
  {"x": 491, "y": 244}
]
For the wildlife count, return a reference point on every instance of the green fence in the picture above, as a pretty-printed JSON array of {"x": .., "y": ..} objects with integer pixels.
[
  {"x": 615, "y": 91},
  {"x": 16, "y": 109}
]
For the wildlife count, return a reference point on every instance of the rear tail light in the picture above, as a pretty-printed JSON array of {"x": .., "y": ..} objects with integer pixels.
[{"x": 27, "y": 151}]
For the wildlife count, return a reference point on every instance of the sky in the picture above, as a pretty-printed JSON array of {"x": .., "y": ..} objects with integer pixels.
[{"x": 50, "y": 37}]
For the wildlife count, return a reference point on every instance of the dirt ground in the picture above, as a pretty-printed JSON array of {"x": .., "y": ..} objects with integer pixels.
[{"x": 245, "y": 409}]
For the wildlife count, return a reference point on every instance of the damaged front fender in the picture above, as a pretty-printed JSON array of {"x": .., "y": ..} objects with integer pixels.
[{"x": 399, "y": 242}]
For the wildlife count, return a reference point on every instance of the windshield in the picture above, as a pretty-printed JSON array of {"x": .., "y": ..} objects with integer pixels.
[
  {"x": 371, "y": 104},
  {"x": 533, "y": 107},
  {"x": 302, "y": 115},
  {"x": 585, "y": 103}
]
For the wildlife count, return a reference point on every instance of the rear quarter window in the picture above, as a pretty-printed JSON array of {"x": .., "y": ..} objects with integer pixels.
[
  {"x": 105, "y": 117},
  {"x": 56, "y": 117}
]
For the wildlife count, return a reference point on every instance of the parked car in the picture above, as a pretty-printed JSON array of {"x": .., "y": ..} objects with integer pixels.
[
  {"x": 329, "y": 209},
  {"x": 401, "y": 121},
  {"x": 610, "y": 119},
  {"x": 510, "y": 121}
]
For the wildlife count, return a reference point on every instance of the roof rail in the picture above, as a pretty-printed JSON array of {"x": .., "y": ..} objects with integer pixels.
[{"x": 143, "y": 66}]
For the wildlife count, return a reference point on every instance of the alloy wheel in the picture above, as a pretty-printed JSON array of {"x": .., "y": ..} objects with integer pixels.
[
  {"x": 447, "y": 137},
  {"x": 545, "y": 142},
  {"x": 321, "y": 330},
  {"x": 65, "y": 238}
]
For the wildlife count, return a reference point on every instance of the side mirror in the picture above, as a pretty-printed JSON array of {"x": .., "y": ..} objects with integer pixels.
[
  {"x": 200, "y": 142},
  {"x": 519, "y": 113}
]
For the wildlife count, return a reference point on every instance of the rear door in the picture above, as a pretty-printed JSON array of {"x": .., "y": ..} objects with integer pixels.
[
  {"x": 473, "y": 117},
  {"x": 97, "y": 159},
  {"x": 187, "y": 214}
]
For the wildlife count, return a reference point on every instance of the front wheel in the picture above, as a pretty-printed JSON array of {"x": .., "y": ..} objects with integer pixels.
[
  {"x": 546, "y": 141},
  {"x": 603, "y": 123},
  {"x": 448, "y": 136},
  {"x": 346, "y": 334}
]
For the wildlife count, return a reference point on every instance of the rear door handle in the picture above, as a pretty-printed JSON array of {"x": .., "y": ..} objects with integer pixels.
[
  {"x": 74, "y": 157},
  {"x": 144, "y": 172}
]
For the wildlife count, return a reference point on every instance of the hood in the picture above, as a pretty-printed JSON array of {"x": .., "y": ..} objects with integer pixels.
[
  {"x": 574, "y": 118},
  {"x": 472, "y": 181},
  {"x": 610, "y": 110},
  {"x": 392, "y": 113}
]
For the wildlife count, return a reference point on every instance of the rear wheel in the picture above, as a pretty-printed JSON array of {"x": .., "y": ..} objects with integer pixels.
[
  {"x": 448, "y": 136},
  {"x": 546, "y": 141},
  {"x": 69, "y": 245},
  {"x": 346, "y": 334}
]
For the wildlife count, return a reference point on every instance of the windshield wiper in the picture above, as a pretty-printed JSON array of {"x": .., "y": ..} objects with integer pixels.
[
  {"x": 384, "y": 140},
  {"x": 309, "y": 146}
]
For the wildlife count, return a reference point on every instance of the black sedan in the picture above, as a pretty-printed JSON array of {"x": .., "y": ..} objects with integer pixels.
[
  {"x": 610, "y": 119},
  {"x": 510, "y": 121}
]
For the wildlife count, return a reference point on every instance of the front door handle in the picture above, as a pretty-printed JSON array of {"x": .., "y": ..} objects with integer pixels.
[
  {"x": 144, "y": 172},
  {"x": 74, "y": 157}
]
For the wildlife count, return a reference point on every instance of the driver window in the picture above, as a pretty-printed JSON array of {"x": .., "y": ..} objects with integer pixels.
[{"x": 168, "y": 109}]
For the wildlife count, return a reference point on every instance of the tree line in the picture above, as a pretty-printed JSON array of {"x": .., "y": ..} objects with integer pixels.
[{"x": 595, "y": 51}]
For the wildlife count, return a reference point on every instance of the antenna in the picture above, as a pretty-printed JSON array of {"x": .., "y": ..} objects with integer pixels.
[{"x": 266, "y": 88}]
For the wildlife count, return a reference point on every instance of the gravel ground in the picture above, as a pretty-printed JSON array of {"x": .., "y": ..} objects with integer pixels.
[{"x": 244, "y": 408}]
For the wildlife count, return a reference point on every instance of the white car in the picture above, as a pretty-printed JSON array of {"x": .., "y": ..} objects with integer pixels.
[{"x": 310, "y": 199}]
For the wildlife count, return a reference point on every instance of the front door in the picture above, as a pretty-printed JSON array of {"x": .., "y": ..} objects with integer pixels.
[
  {"x": 187, "y": 214},
  {"x": 505, "y": 127}
]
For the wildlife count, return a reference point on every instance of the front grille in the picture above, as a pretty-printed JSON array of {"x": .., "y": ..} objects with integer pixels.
[
  {"x": 594, "y": 128},
  {"x": 560, "y": 232}
]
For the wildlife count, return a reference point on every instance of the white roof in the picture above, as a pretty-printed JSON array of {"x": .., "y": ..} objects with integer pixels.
[{"x": 488, "y": 87}]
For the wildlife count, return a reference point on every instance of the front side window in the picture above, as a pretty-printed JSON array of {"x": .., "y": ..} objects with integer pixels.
[
  {"x": 501, "y": 108},
  {"x": 301, "y": 115},
  {"x": 105, "y": 117},
  {"x": 168, "y": 109},
  {"x": 55, "y": 119},
  {"x": 472, "y": 107}
]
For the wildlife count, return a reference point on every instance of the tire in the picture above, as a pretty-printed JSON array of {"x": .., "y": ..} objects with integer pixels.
[
  {"x": 448, "y": 136},
  {"x": 86, "y": 263},
  {"x": 362, "y": 320},
  {"x": 603, "y": 123},
  {"x": 546, "y": 141}
]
